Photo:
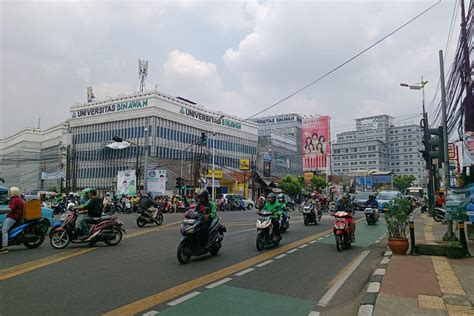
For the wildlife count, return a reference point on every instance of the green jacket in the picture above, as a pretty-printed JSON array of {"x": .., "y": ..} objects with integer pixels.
[
  {"x": 275, "y": 208},
  {"x": 210, "y": 209}
]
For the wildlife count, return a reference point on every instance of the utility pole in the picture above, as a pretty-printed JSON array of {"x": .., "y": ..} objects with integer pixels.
[
  {"x": 445, "y": 136},
  {"x": 466, "y": 75},
  {"x": 145, "y": 163}
]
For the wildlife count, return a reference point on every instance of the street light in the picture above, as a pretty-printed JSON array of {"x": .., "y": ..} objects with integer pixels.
[{"x": 218, "y": 120}]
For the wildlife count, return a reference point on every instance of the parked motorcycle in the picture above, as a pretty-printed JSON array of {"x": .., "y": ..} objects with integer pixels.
[
  {"x": 310, "y": 214},
  {"x": 265, "y": 233},
  {"x": 439, "y": 214},
  {"x": 285, "y": 221},
  {"x": 107, "y": 229},
  {"x": 117, "y": 206},
  {"x": 144, "y": 218},
  {"x": 342, "y": 230},
  {"x": 193, "y": 242},
  {"x": 31, "y": 234},
  {"x": 371, "y": 215}
]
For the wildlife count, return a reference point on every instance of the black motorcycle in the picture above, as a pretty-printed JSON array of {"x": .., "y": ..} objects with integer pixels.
[
  {"x": 439, "y": 214},
  {"x": 285, "y": 221},
  {"x": 58, "y": 207},
  {"x": 144, "y": 218},
  {"x": 194, "y": 243},
  {"x": 310, "y": 214},
  {"x": 371, "y": 215}
]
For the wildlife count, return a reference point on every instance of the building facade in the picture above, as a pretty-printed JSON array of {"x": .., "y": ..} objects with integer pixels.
[
  {"x": 35, "y": 159},
  {"x": 174, "y": 127},
  {"x": 279, "y": 145},
  {"x": 377, "y": 144}
]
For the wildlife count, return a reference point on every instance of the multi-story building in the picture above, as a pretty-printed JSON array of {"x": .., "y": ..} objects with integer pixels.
[
  {"x": 377, "y": 144},
  {"x": 34, "y": 158},
  {"x": 174, "y": 127},
  {"x": 279, "y": 144}
]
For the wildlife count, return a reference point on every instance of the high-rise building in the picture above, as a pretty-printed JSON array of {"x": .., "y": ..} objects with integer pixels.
[{"x": 377, "y": 144}]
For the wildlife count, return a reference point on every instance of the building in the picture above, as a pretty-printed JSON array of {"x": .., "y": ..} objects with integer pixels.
[
  {"x": 377, "y": 144},
  {"x": 34, "y": 158},
  {"x": 279, "y": 145},
  {"x": 174, "y": 127}
]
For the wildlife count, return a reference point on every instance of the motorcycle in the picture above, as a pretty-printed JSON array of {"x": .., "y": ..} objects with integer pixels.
[
  {"x": 193, "y": 243},
  {"x": 439, "y": 214},
  {"x": 265, "y": 233},
  {"x": 342, "y": 230},
  {"x": 117, "y": 206},
  {"x": 29, "y": 233},
  {"x": 310, "y": 215},
  {"x": 107, "y": 229},
  {"x": 144, "y": 218},
  {"x": 285, "y": 221},
  {"x": 371, "y": 215},
  {"x": 58, "y": 208}
]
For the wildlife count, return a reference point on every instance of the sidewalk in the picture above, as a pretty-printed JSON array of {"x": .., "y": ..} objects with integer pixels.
[{"x": 427, "y": 285}]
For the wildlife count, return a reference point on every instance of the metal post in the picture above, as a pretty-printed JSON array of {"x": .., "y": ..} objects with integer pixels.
[
  {"x": 462, "y": 238},
  {"x": 412, "y": 239},
  {"x": 445, "y": 136},
  {"x": 466, "y": 74},
  {"x": 213, "y": 162},
  {"x": 145, "y": 164}
]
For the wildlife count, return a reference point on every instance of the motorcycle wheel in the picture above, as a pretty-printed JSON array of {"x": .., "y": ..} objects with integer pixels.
[
  {"x": 215, "y": 250},
  {"x": 59, "y": 239},
  {"x": 118, "y": 237},
  {"x": 159, "y": 219},
  {"x": 260, "y": 243},
  {"x": 184, "y": 252},
  {"x": 438, "y": 217},
  {"x": 306, "y": 221},
  {"x": 141, "y": 221},
  {"x": 339, "y": 243},
  {"x": 34, "y": 244}
]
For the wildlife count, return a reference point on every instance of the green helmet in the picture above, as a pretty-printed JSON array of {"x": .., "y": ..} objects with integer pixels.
[{"x": 88, "y": 190}]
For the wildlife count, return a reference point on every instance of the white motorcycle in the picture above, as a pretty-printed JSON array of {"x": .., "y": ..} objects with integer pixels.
[{"x": 265, "y": 232}]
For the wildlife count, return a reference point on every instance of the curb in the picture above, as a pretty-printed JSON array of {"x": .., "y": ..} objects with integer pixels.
[{"x": 370, "y": 297}]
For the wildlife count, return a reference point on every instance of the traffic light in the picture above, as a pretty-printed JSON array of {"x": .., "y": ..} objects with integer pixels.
[
  {"x": 203, "y": 139},
  {"x": 434, "y": 145}
]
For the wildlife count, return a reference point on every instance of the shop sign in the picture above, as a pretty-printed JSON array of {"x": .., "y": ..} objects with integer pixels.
[
  {"x": 218, "y": 174},
  {"x": 209, "y": 118},
  {"x": 244, "y": 164}
]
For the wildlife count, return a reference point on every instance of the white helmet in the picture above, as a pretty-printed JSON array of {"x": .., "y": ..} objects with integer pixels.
[{"x": 14, "y": 191}]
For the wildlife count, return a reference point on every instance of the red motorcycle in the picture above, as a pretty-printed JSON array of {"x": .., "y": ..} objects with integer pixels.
[
  {"x": 342, "y": 230},
  {"x": 107, "y": 229}
]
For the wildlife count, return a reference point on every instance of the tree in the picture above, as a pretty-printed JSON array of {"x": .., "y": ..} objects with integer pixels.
[
  {"x": 403, "y": 182},
  {"x": 319, "y": 183},
  {"x": 291, "y": 185}
]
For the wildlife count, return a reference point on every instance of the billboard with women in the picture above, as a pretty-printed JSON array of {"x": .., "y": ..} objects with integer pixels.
[{"x": 316, "y": 148}]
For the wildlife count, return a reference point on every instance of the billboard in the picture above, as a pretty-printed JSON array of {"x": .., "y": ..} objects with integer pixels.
[
  {"x": 127, "y": 182},
  {"x": 156, "y": 181},
  {"x": 316, "y": 149},
  {"x": 244, "y": 164}
]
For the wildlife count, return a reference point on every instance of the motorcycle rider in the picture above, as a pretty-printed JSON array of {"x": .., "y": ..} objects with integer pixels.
[
  {"x": 14, "y": 215},
  {"x": 206, "y": 207},
  {"x": 284, "y": 207},
  {"x": 372, "y": 203},
  {"x": 261, "y": 202},
  {"x": 106, "y": 202},
  {"x": 274, "y": 207},
  {"x": 93, "y": 208},
  {"x": 344, "y": 205},
  {"x": 147, "y": 203}
]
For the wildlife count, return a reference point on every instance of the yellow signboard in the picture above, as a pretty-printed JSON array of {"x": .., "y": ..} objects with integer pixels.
[
  {"x": 218, "y": 174},
  {"x": 308, "y": 176},
  {"x": 244, "y": 164}
]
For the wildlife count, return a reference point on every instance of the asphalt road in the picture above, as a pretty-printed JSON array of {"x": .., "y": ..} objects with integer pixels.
[{"x": 142, "y": 274}]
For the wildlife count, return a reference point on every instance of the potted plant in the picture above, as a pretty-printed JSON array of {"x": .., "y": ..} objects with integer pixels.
[
  {"x": 397, "y": 219},
  {"x": 454, "y": 250}
]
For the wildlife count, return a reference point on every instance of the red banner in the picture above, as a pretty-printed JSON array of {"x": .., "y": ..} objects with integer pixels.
[{"x": 316, "y": 148}]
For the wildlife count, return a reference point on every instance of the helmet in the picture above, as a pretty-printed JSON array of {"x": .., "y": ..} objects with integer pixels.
[
  {"x": 88, "y": 190},
  {"x": 204, "y": 193},
  {"x": 14, "y": 191},
  {"x": 345, "y": 196},
  {"x": 281, "y": 197},
  {"x": 371, "y": 197},
  {"x": 271, "y": 196}
]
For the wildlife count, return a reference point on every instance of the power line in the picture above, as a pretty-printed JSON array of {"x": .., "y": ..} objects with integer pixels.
[{"x": 345, "y": 63}]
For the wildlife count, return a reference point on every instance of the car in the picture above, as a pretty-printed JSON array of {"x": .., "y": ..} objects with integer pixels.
[
  {"x": 45, "y": 211},
  {"x": 384, "y": 198},
  {"x": 360, "y": 198}
]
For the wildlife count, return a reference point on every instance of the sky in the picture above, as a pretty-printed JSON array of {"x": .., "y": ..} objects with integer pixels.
[{"x": 232, "y": 56}]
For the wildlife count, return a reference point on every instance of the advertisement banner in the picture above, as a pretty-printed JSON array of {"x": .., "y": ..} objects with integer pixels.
[
  {"x": 127, "y": 182},
  {"x": 316, "y": 149},
  {"x": 218, "y": 174},
  {"x": 156, "y": 181},
  {"x": 52, "y": 175}
]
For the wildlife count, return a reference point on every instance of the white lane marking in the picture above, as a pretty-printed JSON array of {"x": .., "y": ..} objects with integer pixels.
[
  {"x": 213, "y": 285},
  {"x": 283, "y": 255},
  {"x": 387, "y": 253},
  {"x": 292, "y": 250},
  {"x": 379, "y": 271},
  {"x": 184, "y": 298},
  {"x": 264, "y": 263},
  {"x": 303, "y": 246},
  {"x": 313, "y": 313},
  {"x": 374, "y": 287},
  {"x": 151, "y": 313},
  {"x": 385, "y": 260},
  {"x": 324, "y": 301},
  {"x": 241, "y": 273},
  {"x": 313, "y": 241},
  {"x": 377, "y": 241}
]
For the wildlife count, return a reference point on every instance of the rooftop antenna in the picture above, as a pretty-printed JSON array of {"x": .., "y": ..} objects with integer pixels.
[
  {"x": 142, "y": 73},
  {"x": 39, "y": 122},
  {"x": 90, "y": 95}
]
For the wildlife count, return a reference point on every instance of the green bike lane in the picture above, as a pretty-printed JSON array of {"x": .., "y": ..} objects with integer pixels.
[{"x": 289, "y": 284}]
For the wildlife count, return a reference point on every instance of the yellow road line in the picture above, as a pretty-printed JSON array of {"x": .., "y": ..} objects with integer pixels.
[
  {"x": 169, "y": 294},
  {"x": 36, "y": 264},
  {"x": 447, "y": 280}
]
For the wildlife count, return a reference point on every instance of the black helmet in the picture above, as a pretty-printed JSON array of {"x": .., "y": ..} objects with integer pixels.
[
  {"x": 271, "y": 196},
  {"x": 204, "y": 193}
]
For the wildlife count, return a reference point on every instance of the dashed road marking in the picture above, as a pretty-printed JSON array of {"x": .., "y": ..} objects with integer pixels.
[
  {"x": 151, "y": 313},
  {"x": 213, "y": 285},
  {"x": 241, "y": 273},
  {"x": 292, "y": 250},
  {"x": 303, "y": 246},
  {"x": 264, "y": 263},
  {"x": 283, "y": 255},
  {"x": 184, "y": 298},
  {"x": 313, "y": 241}
]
